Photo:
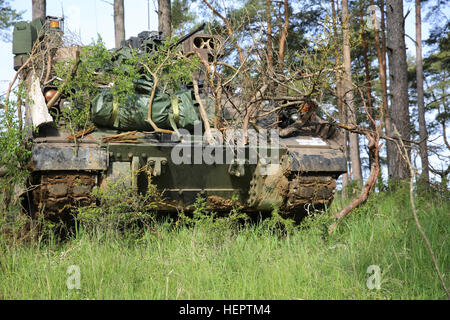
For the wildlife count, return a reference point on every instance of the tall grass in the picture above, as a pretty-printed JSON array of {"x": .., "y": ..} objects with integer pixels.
[{"x": 204, "y": 261}]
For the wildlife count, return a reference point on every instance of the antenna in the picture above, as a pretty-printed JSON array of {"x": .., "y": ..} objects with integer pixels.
[
  {"x": 148, "y": 14},
  {"x": 62, "y": 17},
  {"x": 96, "y": 18}
]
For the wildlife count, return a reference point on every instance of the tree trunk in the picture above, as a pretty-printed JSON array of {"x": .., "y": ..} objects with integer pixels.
[
  {"x": 368, "y": 82},
  {"x": 39, "y": 9},
  {"x": 381, "y": 53},
  {"x": 269, "y": 37},
  {"x": 284, "y": 32},
  {"x": 340, "y": 105},
  {"x": 423, "y": 134},
  {"x": 348, "y": 94},
  {"x": 282, "y": 45},
  {"x": 164, "y": 18},
  {"x": 398, "y": 83},
  {"x": 119, "y": 22}
]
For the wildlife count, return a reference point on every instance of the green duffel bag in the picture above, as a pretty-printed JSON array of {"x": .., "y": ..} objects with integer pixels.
[{"x": 167, "y": 112}]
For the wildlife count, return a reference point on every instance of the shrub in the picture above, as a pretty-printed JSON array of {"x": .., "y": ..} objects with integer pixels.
[{"x": 120, "y": 210}]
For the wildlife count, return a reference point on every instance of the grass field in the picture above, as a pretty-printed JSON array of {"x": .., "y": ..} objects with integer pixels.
[{"x": 213, "y": 260}]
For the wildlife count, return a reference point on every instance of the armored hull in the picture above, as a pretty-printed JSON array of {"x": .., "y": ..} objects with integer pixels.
[{"x": 296, "y": 175}]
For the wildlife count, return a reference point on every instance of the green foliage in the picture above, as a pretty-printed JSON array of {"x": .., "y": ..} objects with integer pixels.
[
  {"x": 168, "y": 65},
  {"x": 247, "y": 16},
  {"x": 14, "y": 155},
  {"x": 120, "y": 71},
  {"x": 200, "y": 215},
  {"x": 352, "y": 190},
  {"x": 81, "y": 88},
  {"x": 220, "y": 228},
  {"x": 277, "y": 224},
  {"x": 14, "y": 152},
  {"x": 182, "y": 15},
  {"x": 13, "y": 160},
  {"x": 317, "y": 64},
  {"x": 437, "y": 72},
  {"x": 120, "y": 211}
]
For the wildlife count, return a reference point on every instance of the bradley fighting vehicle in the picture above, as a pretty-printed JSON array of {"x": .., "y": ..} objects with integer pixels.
[{"x": 296, "y": 173}]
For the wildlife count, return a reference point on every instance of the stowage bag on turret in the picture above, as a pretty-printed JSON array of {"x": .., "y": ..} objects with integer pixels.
[{"x": 167, "y": 112}]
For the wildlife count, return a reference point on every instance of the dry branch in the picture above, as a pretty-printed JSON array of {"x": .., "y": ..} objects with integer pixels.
[
  {"x": 82, "y": 133},
  {"x": 155, "y": 77},
  {"x": 8, "y": 92},
  {"x": 251, "y": 107},
  {"x": 73, "y": 71},
  {"x": 374, "y": 148},
  {"x": 203, "y": 114},
  {"x": 131, "y": 136},
  {"x": 229, "y": 29},
  {"x": 282, "y": 42}
]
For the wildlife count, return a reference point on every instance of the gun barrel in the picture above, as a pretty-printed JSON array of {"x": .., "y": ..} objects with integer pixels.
[{"x": 190, "y": 34}]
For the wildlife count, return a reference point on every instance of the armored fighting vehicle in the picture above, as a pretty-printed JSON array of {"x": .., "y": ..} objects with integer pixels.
[{"x": 294, "y": 170}]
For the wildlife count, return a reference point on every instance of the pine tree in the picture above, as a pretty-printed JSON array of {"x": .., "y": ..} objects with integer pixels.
[
  {"x": 423, "y": 134},
  {"x": 348, "y": 94},
  {"x": 8, "y": 17},
  {"x": 39, "y": 9},
  {"x": 164, "y": 18},
  {"x": 119, "y": 22},
  {"x": 398, "y": 84}
]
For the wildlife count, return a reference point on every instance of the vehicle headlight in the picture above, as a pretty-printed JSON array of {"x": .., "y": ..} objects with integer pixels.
[
  {"x": 294, "y": 117},
  {"x": 50, "y": 94}
]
